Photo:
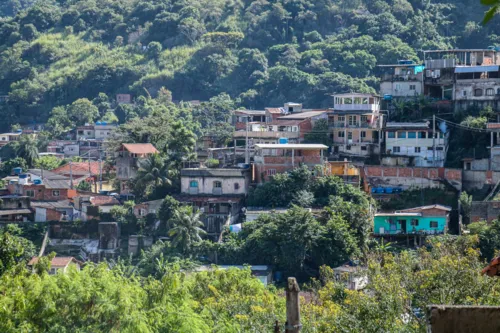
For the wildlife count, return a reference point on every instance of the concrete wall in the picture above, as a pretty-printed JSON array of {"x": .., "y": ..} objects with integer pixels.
[
  {"x": 206, "y": 185},
  {"x": 411, "y": 177},
  {"x": 485, "y": 211},
  {"x": 463, "y": 319},
  {"x": 401, "y": 88},
  {"x": 474, "y": 180}
]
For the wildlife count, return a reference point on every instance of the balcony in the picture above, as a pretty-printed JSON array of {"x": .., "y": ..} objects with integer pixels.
[
  {"x": 266, "y": 134},
  {"x": 355, "y": 125},
  {"x": 289, "y": 161},
  {"x": 396, "y": 78}
]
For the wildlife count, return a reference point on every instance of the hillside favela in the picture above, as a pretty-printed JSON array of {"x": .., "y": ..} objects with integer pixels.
[{"x": 261, "y": 166}]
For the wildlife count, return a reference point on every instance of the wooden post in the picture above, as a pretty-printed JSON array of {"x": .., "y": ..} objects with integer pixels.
[{"x": 292, "y": 307}]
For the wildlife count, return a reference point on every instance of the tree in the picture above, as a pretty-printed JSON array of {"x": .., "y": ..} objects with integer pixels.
[
  {"x": 153, "y": 173},
  {"x": 84, "y": 186},
  {"x": 494, "y": 7},
  {"x": 10, "y": 164},
  {"x": 167, "y": 209},
  {"x": 13, "y": 248},
  {"x": 186, "y": 228},
  {"x": 466, "y": 205},
  {"x": 48, "y": 162},
  {"x": 154, "y": 50},
  {"x": 82, "y": 111},
  {"x": 27, "y": 148}
]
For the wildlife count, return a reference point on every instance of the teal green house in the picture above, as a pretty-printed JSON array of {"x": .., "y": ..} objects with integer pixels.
[{"x": 429, "y": 220}]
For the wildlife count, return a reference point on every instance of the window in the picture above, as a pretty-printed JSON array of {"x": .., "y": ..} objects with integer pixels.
[
  {"x": 396, "y": 149},
  {"x": 341, "y": 118},
  {"x": 413, "y": 87},
  {"x": 236, "y": 186},
  {"x": 441, "y": 135},
  {"x": 341, "y": 134},
  {"x": 357, "y": 100},
  {"x": 434, "y": 224},
  {"x": 363, "y": 134},
  {"x": 464, "y": 93},
  {"x": 30, "y": 193},
  {"x": 365, "y": 100},
  {"x": 421, "y": 135},
  {"x": 363, "y": 148},
  {"x": 347, "y": 147},
  {"x": 193, "y": 183},
  {"x": 217, "y": 184},
  {"x": 352, "y": 120},
  {"x": 55, "y": 193},
  {"x": 412, "y": 135},
  {"x": 478, "y": 92},
  {"x": 490, "y": 92},
  {"x": 142, "y": 212},
  {"x": 417, "y": 149},
  {"x": 401, "y": 135},
  {"x": 430, "y": 148},
  {"x": 349, "y": 135},
  {"x": 439, "y": 148},
  {"x": 414, "y": 222},
  {"x": 391, "y": 135},
  {"x": 271, "y": 172},
  {"x": 364, "y": 119}
]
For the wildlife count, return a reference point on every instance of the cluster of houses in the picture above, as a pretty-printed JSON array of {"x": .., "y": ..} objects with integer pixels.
[{"x": 359, "y": 144}]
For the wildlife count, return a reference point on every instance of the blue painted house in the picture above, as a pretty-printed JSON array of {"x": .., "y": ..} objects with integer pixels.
[{"x": 428, "y": 220}]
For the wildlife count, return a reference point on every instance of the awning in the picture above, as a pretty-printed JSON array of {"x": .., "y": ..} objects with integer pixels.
[
  {"x": 14, "y": 212},
  {"x": 476, "y": 69}
]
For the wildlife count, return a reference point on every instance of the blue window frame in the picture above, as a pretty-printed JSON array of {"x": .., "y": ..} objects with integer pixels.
[
  {"x": 401, "y": 135},
  {"x": 412, "y": 135},
  {"x": 391, "y": 135},
  {"x": 421, "y": 135},
  {"x": 193, "y": 183}
]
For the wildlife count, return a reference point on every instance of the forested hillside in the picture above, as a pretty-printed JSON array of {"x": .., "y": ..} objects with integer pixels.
[{"x": 262, "y": 53}]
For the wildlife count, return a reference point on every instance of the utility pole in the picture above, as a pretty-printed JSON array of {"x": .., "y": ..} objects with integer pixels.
[
  {"x": 293, "y": 324},
  {"x": 247, "y": 153},
  {"x": 100, "y": 172},
  {"x": 70, "y": 175},
  {"x": 434, "y": 140}
]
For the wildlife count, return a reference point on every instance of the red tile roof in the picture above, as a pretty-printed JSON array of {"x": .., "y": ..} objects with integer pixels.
[
  {"x": 56, "y": 261},
  {"x": 274, "y": 110},
  {"x": 140, "y": 148},
  {"x": 78, "y": 168},
  {"x": 104, "y": 200}
]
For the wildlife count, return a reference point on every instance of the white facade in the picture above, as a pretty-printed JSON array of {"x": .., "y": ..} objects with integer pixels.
[
  {"x": 215, "y": 181},
  {"x": 356, "y": 102},
  {"x": 401, "y": 88},
  {"x": 354, "y": 278},
  {"x": 417, "y": 143}
]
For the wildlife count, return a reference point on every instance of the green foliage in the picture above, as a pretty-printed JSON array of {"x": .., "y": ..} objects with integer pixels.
[
  {"x": 27, "y": 148},
  {"x": 489, "y": 237},
  {"x": 466, "y": 205},
  {"x": 17, "y": 162},
  {"x": 212, "y": 163},
  {"x": 14, "y": 249},
  {"x": 47, "y": 162},
  {"x": 186, "y": 228},
  {"x": 84, "y": 186}
]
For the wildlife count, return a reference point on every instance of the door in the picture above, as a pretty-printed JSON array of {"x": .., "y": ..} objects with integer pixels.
[{"x": 403, "y": 226}]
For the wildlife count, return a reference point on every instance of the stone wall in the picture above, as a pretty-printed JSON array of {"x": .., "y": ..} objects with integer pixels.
[{"x": 485, "y": 211}]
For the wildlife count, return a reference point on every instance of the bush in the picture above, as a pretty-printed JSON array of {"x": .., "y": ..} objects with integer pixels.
[{"x": 212, "y": 163}]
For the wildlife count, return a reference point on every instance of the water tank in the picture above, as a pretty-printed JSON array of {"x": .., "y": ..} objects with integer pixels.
[
  {"x": 387, "y": 97},
  {"x": 23, "y": 179},
  {"x": 283, "y": 141},
  {"x": 19, "y": 131},
  {"x": 37, "y": 181},
  {"x": 104, "y": 123},
  {"x": 17, "y": 170},
  {"x": 388, "y": 190},
  {"x": 98, "y": 123}
]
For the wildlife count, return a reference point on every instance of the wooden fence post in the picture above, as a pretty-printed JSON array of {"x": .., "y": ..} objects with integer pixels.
[{"x": 292, "y": 307}]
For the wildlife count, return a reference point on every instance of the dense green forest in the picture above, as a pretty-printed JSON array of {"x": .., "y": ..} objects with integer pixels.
[{"x": 261, "y": 53}]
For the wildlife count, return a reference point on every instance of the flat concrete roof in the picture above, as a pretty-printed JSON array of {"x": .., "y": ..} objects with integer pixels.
[{"x": 291, "y": 146}]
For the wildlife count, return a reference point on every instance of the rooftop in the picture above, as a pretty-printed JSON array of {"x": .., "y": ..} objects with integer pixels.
[
  {"x": 52, "y": 204},
  {"x": 205, "y": 172},
  {"x": 355, "y": 94},
  {"x": 394, "y": 125},
  {"x": 493, "y": 125},
  {"x": 57, "y": 262},
  {"x": 104, "y": 200},
  {"x": 207, "y": 198},
  {"x": 437, "y": 206},
  {"x": 251, "y": 112},
  {"x": 275, "y": 110},
  {"x": 291, "y": 146},
  {"x": 78, "y": 168},
  {"x": 303, "y": 115},
  {"x": 45, "y": 174},
  {"x": 140, "y": 148},
  {"x": 398, "y": 214},
  {"x": 14, "y": 211}
]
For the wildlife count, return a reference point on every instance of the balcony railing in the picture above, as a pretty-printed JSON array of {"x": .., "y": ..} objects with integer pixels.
[
  {"x": 355, "y": 125},
  {"x": 395, "y": 78},
  {"x": 266, "y": 134}
]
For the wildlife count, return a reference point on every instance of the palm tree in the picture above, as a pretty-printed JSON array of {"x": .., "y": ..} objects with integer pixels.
[
  {"x": 154, "y": 170},
  {"x": 27, "y": 148},
  {"x": 186, "y": 228}
]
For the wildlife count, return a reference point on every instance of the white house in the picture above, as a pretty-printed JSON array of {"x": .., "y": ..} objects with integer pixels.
[
  {"x": 413, "y": 144},
  {"x": 354, "y": 277}
]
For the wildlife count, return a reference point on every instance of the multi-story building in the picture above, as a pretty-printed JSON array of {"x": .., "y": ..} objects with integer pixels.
[
  {"x": 218, "y": 193},
  {"x": 99, "y": 131},
  {"x": 7, "y": 138},
  {"x": 271, "y": 159},
  {"x": 402, "y": 80},
  {"x": 290, "y": 122},
  {"x": 127, "y": 160},
  {"x": 413, "y": 144},
  {"x": 468, "y": 77},
  {"x": 355, "y": 125}
]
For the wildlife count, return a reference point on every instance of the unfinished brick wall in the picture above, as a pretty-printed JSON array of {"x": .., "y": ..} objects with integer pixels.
[{"x": 463, "y": 319}]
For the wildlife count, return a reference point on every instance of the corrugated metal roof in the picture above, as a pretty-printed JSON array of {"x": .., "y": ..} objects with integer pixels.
[
  {"x": 303, "y": 115},
  {"x": 493, "y": 125},
  {"x": 14, "y": 211},
  {"x": 476, "y": 69}
]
